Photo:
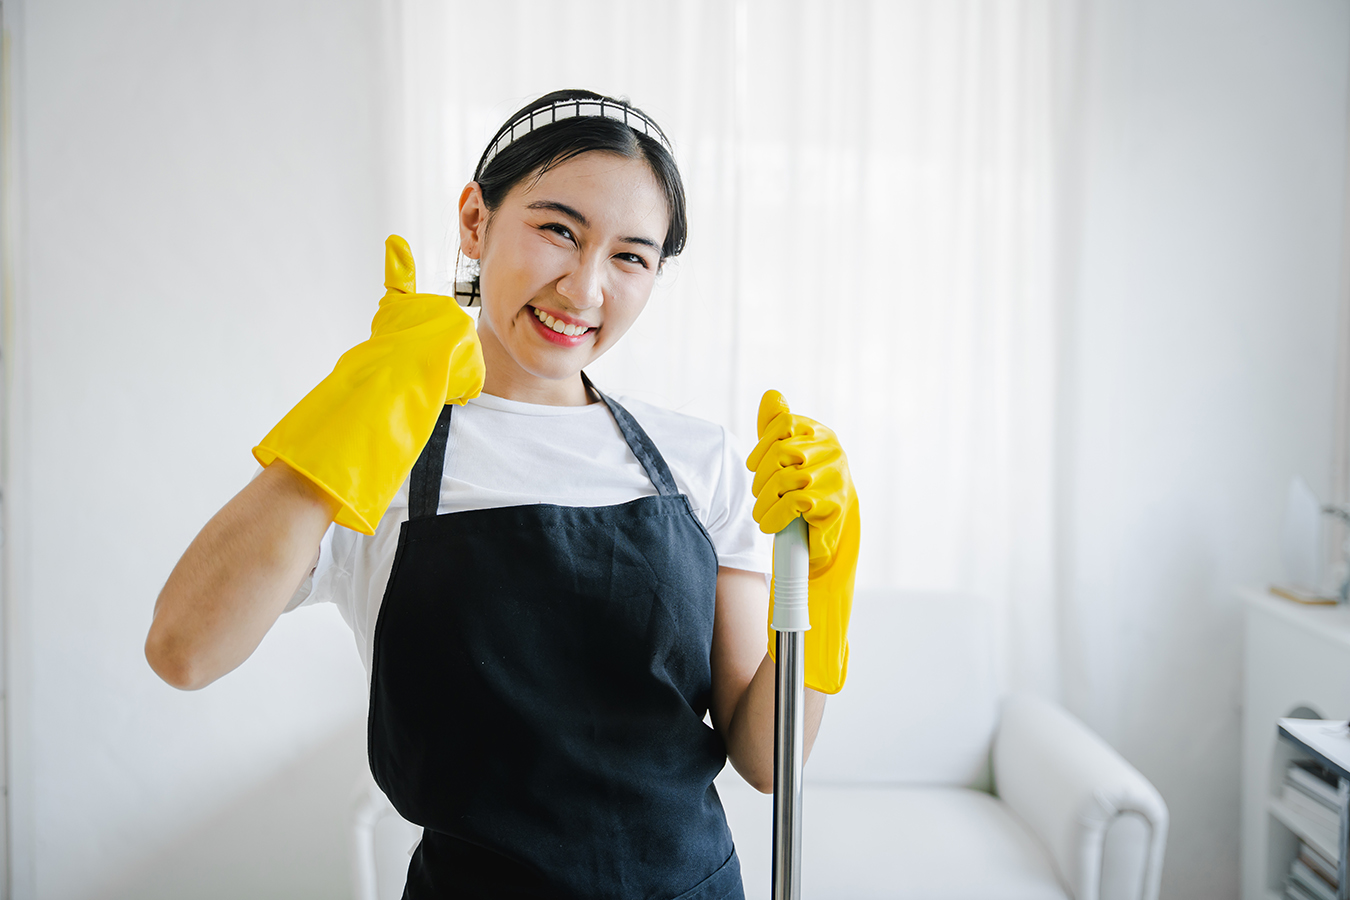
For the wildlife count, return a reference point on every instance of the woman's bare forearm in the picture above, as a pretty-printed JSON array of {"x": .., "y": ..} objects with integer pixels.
[
  {"x": 743, "y": 677},
  {"x": 236, "y": 576},
  {"x": 749, "y": 737}
]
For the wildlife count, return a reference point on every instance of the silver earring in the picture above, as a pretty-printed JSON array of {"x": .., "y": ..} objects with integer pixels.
[
  {"x": 466, "y": 281},
  {"x": 467, "y": 293}
]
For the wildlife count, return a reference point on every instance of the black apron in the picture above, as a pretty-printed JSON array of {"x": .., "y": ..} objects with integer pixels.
[{"x": 538, "y": 686}]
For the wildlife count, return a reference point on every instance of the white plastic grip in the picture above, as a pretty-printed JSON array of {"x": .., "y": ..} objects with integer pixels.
[{"x": 791, "y": 575}]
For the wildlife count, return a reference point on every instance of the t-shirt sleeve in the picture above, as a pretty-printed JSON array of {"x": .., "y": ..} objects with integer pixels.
[
  {"x": 731, "y": 522},
  {"x": 317, "y": 586}
]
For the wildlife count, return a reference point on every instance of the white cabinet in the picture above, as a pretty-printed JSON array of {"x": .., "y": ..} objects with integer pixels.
[{"x": 1297, "y": 663}]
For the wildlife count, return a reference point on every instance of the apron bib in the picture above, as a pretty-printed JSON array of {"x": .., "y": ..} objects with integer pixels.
[{"x": 538, "y": 686}]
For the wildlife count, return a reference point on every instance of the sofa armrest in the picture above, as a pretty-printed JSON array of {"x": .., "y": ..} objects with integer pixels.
[{"x": 1104, "y": 824}]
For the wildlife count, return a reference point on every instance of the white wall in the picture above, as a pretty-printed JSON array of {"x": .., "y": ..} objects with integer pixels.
[
  {"x": 203, "y": 237},
  {"x": 1200, "y": 371}
]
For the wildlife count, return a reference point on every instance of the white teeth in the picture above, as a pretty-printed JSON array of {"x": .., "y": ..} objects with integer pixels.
[{"x": 558, "y": 325}]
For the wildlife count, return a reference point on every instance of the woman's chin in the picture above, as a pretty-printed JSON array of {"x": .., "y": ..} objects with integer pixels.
[
  {"x": 555, "y": 371},
  {"x": 552, "y": 363}
]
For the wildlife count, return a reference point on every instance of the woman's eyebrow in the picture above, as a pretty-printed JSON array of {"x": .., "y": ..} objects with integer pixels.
[
  {"x": 646, "y": 242},
  {"x": 561, "y": 208},
  {"x": 581, "y": 220}
]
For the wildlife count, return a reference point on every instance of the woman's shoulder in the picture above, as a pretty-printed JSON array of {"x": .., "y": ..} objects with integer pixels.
[
  {"x": 697, "y": 449},
  {"x": 708, "y": 462},
  {"x": 687, "y": 430}
]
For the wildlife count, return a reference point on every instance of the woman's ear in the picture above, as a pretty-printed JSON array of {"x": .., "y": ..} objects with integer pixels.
[{"x": 473, "y": 216}]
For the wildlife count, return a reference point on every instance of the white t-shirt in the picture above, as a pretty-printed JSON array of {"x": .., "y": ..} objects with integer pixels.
[{"x": 507, "y": 453}]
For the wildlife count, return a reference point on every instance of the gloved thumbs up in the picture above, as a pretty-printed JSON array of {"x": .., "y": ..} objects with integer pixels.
[
  {"x": 358, "y": 433},
  {"x": 399, "y": 274}
]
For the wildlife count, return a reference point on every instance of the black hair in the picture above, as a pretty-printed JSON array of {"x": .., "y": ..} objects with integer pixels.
[{"x": 555, "y": 143}]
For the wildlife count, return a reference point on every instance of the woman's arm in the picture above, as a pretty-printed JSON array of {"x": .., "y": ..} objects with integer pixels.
[
  {"x": 355, "y": 435},
  {"x": 235, "y": 578},
  {"x": 743, "y": 678}
]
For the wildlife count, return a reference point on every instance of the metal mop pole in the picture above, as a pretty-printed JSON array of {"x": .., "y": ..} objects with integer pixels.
[{"x": 791, "y": 619}]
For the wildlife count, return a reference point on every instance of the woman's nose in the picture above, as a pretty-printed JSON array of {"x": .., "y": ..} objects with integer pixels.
[{"x": 583, "y": 286}]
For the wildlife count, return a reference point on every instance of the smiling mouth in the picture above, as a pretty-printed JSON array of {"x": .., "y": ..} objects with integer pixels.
[{"x": 559, "y": 326}]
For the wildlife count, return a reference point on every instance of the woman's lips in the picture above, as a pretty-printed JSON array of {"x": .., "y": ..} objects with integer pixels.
[{"x": 550, "y": 333}]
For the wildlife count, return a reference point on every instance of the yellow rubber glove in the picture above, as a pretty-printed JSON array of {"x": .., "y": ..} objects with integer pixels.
[
  {"x": 358, "y": 433},
  {"x": 800, "y": 469}
]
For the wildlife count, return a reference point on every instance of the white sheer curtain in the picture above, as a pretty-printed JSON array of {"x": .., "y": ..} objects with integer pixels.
[{"x": 871, "y": 195}]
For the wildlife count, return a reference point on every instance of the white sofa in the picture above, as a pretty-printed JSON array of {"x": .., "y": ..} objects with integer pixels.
[{"x": 926, "y": 783}]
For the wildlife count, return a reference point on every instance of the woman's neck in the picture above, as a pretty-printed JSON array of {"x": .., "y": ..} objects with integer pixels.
[
  {"x": 566, "y": 392},
  {"x": 503, "y": 378}
]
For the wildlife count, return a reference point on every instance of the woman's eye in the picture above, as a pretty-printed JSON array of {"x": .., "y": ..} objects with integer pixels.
[
  {"x": 561, "y": 230},
  {"x": 633, "y": 258}
]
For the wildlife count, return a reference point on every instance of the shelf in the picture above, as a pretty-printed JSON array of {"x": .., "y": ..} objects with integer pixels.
[
  {"x": 1326, "y": 740},
  {"x": 1292, "y": 659},
  {"x": 1322, "y": 840}
]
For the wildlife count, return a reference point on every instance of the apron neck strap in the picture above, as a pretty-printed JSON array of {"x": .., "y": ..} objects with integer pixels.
[
  {"x": 424, "y": 484},
  {"x": 643, "y": 447}
]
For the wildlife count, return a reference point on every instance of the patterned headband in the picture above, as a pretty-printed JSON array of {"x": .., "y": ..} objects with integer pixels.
[{"x": 570, "y": 109}]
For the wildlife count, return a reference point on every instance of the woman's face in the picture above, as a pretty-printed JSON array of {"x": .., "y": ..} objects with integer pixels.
[{"x": 567, "y": 264}]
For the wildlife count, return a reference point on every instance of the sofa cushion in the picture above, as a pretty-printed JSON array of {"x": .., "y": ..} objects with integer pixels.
[
  {"x": 900, "y": 843},
  {"x": 921, "y": 702}
]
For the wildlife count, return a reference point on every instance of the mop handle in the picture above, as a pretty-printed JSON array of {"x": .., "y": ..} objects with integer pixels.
[{"x": 791, "y": 619}]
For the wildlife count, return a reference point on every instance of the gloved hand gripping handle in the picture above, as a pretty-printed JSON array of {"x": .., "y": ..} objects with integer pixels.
[{"x": 791, "y": 620}]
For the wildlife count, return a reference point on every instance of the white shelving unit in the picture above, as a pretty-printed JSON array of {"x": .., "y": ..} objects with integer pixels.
[
  {"x": 1297, "y": 663},
  {"x": 1328, "y": 742}
]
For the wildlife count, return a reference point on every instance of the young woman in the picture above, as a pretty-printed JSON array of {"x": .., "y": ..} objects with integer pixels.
[{"x": 549, "y": 589}]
